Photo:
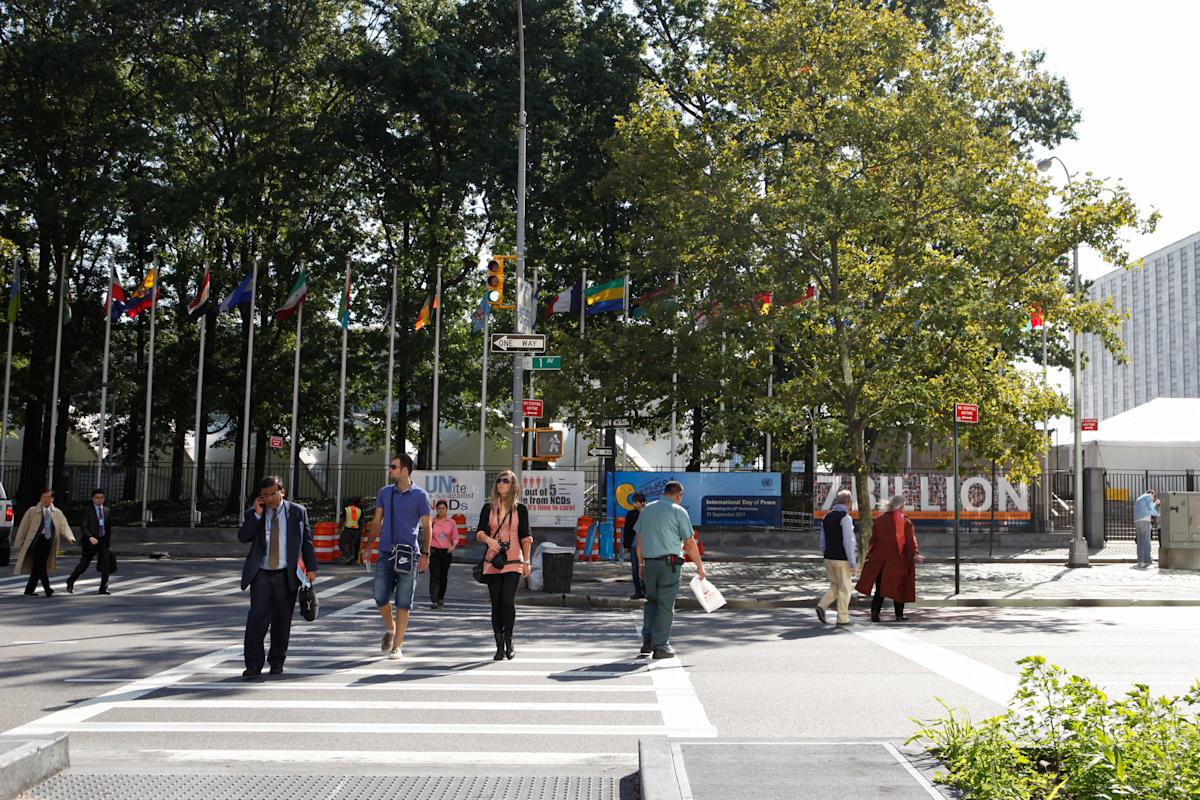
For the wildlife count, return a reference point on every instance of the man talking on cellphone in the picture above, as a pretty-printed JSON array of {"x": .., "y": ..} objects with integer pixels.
[{"x": 279, "y": 536}]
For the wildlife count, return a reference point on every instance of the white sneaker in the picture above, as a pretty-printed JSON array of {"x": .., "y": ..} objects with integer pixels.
[{"x": 394, "y": 655}]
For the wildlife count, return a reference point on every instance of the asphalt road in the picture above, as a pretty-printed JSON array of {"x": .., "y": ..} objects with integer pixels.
[{"x": 166, "y": 648}]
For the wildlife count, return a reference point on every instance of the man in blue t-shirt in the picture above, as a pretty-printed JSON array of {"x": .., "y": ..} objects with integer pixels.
[{"x": 401, "y": 514}]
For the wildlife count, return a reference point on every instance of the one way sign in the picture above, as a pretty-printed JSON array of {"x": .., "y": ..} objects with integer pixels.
[{"x": 518, "y": 342}]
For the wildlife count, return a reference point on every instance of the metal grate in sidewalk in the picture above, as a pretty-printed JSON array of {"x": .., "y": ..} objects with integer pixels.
[{"x": 80, "y": 786}]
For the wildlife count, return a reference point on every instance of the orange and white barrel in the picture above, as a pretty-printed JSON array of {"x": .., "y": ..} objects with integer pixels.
[
  {"x": 461, "y": 522},
  {"x": 581, "y": 531},
  {"x": 325, "y": 541}
]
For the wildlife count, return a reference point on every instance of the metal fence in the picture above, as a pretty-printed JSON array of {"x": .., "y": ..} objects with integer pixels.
[{"x": 1121, "y": 489}]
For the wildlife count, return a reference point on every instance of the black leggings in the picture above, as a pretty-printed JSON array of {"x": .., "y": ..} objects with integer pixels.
[
  {"x": 877, "y": 600},
  {"x": 439, "y": 573},
  {"x": 502, "y": 589}
]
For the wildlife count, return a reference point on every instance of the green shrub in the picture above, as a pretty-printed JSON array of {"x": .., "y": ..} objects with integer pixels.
[{"x": 1062, "y": 738}]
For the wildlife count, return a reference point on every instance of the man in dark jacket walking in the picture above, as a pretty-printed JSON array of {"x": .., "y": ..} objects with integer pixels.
[
  {"x": 96, "y": 542},
  {"x": 629, "y": 539},
  {"x": 279, "y": 536}
]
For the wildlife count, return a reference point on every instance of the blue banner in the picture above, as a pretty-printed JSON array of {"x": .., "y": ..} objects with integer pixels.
[{"x": 712, "y": 499}]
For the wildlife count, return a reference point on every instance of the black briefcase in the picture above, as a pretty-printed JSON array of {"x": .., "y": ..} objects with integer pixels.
[{"x": 309, "y": 604}]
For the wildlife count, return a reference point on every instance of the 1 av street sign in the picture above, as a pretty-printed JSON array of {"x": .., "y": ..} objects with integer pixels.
[
  {"x": 543, "y": 362},
  {"x": 518, "y": 342},
  {"x": 618, "y": 422},
  {"x": 1089, "y": 424},
  {"x": 532, "y": 408},
  {"x": 601, "y": 452},
  {"x": 966, "y": 412}
]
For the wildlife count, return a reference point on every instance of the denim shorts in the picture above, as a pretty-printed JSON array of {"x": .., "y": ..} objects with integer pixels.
[{"x": 392, "y": 588}]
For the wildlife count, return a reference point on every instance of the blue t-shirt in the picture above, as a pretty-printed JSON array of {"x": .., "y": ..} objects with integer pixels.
[{"x": 402, "y": 512}]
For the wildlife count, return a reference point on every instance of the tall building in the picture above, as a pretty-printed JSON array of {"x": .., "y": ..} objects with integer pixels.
[{"x": 1162, "y": 300}]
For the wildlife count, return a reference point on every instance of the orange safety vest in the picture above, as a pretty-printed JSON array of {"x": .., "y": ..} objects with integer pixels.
[{"x": 352, "y": 515}]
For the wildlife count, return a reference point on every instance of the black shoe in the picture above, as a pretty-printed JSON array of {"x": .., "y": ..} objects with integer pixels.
[
  {"x": 70, "y": 587},
  {"x": 874, "y": 617},
  {"x": 499, "y": 648},
  {"x": 662, "y": 652},
  {"x": 104, "y": 591},
  {"x": 276, "y": 669},
  {"x": 49, "y": 593},
  {"x": 646, "y": 648},
  {"x": 901, "y": 618},
  {"x": 433, "y": 606},
  {"x": 252, "y": 674},
  {"x": 30, "y": 594},
  {"x": 509, "y": 650},
  {"x": 821, "y": 614}
]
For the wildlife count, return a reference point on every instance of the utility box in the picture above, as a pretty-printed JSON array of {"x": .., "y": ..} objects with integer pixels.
[{"x": 1179, "y": 535}]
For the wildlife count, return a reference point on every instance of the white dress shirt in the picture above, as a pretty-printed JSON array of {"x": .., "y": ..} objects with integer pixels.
[{"x": 269, "y": 513}]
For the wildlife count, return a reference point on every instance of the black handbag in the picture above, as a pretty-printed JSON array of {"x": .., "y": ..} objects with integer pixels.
[
  {"x": 309, "y": 604},
  {"x": 498, "y": 561},
  {"x": 403, "y": 559}
]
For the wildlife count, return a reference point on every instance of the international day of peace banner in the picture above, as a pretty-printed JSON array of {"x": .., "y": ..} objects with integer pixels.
[{"x": 715, "y": 499}]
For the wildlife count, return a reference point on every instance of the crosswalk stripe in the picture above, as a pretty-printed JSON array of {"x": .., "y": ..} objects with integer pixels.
[
  {"x": 474, "y": 657},
  {"x": 202, "y": 587},
  {"x": 322, "y": 686},
  {"x": 39, "y": 728},
  {"x": 407, "y": 757},
  {"x": 460, "y": 649},
  {"x": 386, "y": 705},
  {"x": 152, "y": 586},
  {"x": 323, "y": 593},
  {"x": 433, "y": 673}
]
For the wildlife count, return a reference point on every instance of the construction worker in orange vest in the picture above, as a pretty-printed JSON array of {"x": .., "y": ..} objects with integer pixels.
[{"x": 349, "y": 539}]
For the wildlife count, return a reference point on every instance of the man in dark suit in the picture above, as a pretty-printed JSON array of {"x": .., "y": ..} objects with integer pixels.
[
  {"x": 279, "y": 537},
  {"x": 96, "y": 542}
]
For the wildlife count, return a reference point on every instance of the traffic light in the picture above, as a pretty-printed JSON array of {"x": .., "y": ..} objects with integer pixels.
[{"x": 495, "y": 279}]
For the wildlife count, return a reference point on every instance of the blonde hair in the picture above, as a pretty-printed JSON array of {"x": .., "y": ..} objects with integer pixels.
[{"x": 514, "y": 495}]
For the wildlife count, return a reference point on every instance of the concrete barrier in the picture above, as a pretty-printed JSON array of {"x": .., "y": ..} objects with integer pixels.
[{"x": 26, "y": 762}]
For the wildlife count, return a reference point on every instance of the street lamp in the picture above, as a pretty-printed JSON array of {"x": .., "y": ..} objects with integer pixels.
[{"x": 1078, "y": 556}]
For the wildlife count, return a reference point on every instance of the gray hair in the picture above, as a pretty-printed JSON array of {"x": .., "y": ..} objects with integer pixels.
[
  {"x": 844, "y": 497},
  {"x": 897, "y": 502}
]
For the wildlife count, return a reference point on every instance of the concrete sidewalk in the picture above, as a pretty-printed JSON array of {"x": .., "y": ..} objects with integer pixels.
[{"x": 799, "y": 581}]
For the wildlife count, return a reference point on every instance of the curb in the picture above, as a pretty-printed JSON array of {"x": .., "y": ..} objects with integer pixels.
[
  {"x": 602, "y": 602},
  {"x": 656, "y": 771},
  {"x": 24, "y": 763}
]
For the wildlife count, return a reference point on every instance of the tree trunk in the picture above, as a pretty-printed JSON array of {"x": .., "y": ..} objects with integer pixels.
[
  {"x": 861, "y": 478},
  {"x": 37, "y": 402},
  {"x": 697, "y": 440},
  {"x": 201, "y": 449},
  {"x": 175, "y": 490}
]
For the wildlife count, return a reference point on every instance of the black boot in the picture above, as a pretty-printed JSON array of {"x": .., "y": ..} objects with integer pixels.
[
  {"x": 509, "y": 652},
  {"x": 499, "y": 647}
]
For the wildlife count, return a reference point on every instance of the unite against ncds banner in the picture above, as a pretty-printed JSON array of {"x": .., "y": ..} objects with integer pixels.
[
  {"x": 715, "y": 499},
  {"x": 554, "y": 498}
]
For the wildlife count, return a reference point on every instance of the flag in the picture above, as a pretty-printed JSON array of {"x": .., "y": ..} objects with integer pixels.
[
  {"x": 566, "y": 301},
  {"x": 1037, "y": 320},
  {"x": 809, "y": 294},
  {"x": 606, "y": 297},
  {"x": 116, "y": 302},
  {"x": 344, "y": 305},
  {"x": 294, "y": 299},
  {"x": 66, "y": 318},
  {"x": 14, "y": 292},
  {"x": 239, "y": 296},
  {"x": 762, "y": 302},
  {"x": 480, "y": 314},
  {"x": 426, "y": 315},
  {"x": 199, "y": 306},
  {"x": 139, "y": 303},
  {"x": 639, "y": 306}
]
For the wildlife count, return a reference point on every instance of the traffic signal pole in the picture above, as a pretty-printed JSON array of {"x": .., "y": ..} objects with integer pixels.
[{"x": 518, "y": 435}]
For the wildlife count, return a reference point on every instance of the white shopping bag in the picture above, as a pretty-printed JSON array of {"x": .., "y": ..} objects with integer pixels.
[{"x": 707, "y": 595}]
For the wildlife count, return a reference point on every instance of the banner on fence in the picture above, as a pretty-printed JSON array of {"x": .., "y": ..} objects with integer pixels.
[
  {"x": 554, "y": 498},
  {"x": 717, "y": 499},
  {"x": 928, "y": 497},
  {"x": 465, "y": 491}
]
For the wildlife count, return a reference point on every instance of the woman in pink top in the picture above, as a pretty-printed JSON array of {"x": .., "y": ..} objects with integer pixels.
[
  {"x": 504, "y": 529},
  {"x": 441, "y": 551}
]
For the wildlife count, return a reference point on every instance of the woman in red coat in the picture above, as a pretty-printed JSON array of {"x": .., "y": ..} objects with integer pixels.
[{"x": 892, "y": 558}]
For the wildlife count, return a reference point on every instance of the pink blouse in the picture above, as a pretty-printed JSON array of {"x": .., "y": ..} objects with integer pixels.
[
  {"x": 509, "y": 533},
  {"x": 445, "y": 534}
]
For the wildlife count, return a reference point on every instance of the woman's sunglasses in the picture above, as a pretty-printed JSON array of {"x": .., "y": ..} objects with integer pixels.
[{"x": 503, "y": 480}]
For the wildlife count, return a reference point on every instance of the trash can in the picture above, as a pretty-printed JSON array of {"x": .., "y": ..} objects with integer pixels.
[{"x": 557, "y": 571}]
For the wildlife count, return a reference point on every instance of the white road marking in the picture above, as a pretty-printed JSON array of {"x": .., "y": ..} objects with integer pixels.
[
  {"x": 448, "y": 688},
  {"x": 683, "y": 713},
  {"x": 423, "y": 757},
  {"x": 41, "y": 728},
  {"x": 430, "y": 673},
  {"x": 153, "y": 586},
  {"x": 202, "y": 587},
  {"x": 974, "y": 675},
  {"x": 387, "y": 705},
  {"x": 681, "y": 778},
  {"x": 46, "y": 641},
  {"x": 911, "y": 770},
  {"x": 322, "y": 592},
  {"x": 472, "y": 657}
]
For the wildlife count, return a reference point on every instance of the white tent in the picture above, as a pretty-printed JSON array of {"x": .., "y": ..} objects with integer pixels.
[{"x": 1163, "y": 434}]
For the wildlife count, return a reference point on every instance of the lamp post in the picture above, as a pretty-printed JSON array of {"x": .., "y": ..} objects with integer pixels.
[{"x": 1078, "y": 556}]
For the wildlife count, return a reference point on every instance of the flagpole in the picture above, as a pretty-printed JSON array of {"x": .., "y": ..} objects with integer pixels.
[
  {"x": 201, "y": 428},
  {"x": 112, "y": 278},
  {"x": 149, "y": 398},
  {"x": 582, "y": 330},
  {"x": 7, "y": 378},
  {"x": 770, "y": 394},
  {"x": 437, "y": 362},
  {"x": 518, "y": 438},
  {"x": 483, "y": 388},
  {"x": 62, "y": 276},
  {"x": 674, "y": 383},
  {"x": 625, "y": 431},
  {"x": 532, "y": 374},
  {"x": 295, "y": 441},
  {"x": 337, "y": 507},
  {"x": 387, "y": 443},
  {"x": 245, "y": 454}
]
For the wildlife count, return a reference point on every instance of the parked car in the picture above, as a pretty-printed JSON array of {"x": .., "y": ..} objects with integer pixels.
[{"x": 6, "y": 526}]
